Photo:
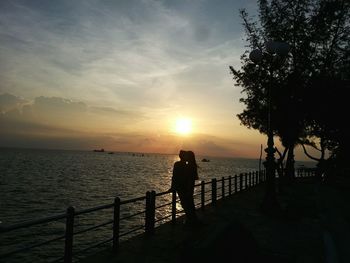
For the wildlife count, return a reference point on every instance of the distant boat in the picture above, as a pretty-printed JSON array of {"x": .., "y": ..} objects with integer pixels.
[
  {"x": 111, "y": 153},
  {"x": 138, "y": 154},
  {"x": 100, "y": 151},
  {"x": 205, "y": 160}
]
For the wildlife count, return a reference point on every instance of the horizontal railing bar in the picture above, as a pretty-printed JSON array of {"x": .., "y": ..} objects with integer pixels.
[
  {"x": 49, "y": 219},
  {"x": 160, "y": 219},
  {"x": 163, "y": 193},
  {"x": 198, "y": 194},
  {"x": 61, "y": 216},
  {"x": 93, "y": 246},
  {"x": 93, "y": 227},
  {"x": 93, "y": 209},
  {"x": 31, "y": 246},
  {"x": 130, "y": 216},
  {"x": 198, "y": 204},
  {"x": 161, "y": 206},
  {"x": 132, "y": 230},
  {"x": 180, "y": 211},
  {"x": 133, "y": 200}
]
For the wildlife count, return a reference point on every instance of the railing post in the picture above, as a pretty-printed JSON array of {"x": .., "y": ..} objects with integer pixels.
[
  {"x": 213, "y": 191},
  {"x": 236, "y": 183},
  {"x": 150, "y": 212},
  {"x": 246, "y": 181},
  {"x": 153, "y": 195},
  {"x": 222, "y": 188},
  {"x": 202, "y": 195},
  {"x": 230, "y": 185},
  {"x": 173, "y": 207},
  {"x": 116, "y": 223},
  {"x": 264, "y": 175},
  {"x": 240, "y": 182},
  {"x": 68, "y": 248},
  {"x": 250, "y": 179}
]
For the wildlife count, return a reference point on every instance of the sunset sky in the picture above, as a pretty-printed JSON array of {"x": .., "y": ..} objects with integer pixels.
[{"x": 120, "y": 74}]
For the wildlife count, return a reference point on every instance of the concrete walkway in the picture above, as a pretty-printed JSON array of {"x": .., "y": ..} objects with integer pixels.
[
  {"x": 334, "y": 204},
  {"x": 236, "y": 231}
]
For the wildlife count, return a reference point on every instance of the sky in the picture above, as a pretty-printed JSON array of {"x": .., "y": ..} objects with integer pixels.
[{"x": 118, "y": 75}]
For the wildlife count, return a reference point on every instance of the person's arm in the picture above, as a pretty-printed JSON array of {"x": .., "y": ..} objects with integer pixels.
[
  {"x": 174, "y": 178},
  {"x": 196, "y": 174}
]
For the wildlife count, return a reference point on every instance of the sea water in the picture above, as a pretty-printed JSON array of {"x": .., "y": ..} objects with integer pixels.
[{"x": 39, "y": 183}]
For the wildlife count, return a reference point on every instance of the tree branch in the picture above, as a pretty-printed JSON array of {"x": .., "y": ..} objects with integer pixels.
[{"x": 308, "y": 155}]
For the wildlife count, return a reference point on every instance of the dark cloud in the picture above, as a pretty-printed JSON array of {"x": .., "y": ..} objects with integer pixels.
[
  {"x": 9, "y": 102},
  {"x": 55, "y": 115},
  {"x": 18, "y": 131}
]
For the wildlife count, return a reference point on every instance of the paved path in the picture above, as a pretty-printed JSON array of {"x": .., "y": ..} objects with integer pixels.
[
  {"x": 334, "y": 203},
  {"x": 236, "y": 231}
]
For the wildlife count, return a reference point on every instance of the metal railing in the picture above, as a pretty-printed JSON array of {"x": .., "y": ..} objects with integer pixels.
[
  {"x": 205, "y": 193},
  {"x": 305, "y": 172}
]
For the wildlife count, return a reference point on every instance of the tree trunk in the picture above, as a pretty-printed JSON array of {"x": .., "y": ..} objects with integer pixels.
[{"x": 290, "y": 169}]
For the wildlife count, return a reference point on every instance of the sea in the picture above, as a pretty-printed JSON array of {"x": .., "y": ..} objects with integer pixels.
[{"x": 39, "y": 183}]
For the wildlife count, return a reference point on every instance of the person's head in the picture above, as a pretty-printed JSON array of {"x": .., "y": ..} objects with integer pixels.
[
  {"x": 190, "y": 157},
  {"x": 182, "y": 155}
]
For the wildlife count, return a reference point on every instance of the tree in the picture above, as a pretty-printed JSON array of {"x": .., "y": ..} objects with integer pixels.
[{"x": 318, "y": 34}]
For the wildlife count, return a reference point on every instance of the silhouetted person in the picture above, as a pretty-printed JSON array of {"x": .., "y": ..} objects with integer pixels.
[
  {"x": 183, "y": 183},
  {"x": 192, "y": 173}
]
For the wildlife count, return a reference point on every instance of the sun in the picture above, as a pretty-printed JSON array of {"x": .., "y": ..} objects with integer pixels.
[{"x": 183, "y": 126}]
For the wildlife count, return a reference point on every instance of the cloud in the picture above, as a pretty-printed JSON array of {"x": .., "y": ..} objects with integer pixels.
[
  {"x": 55, "y": 122},
  {"x": 125, "y": 51},
  {"x": 10, "y": 102},
  {"x": 127, "y": 67},
  {"x": 60, "y": 113},
  {"x": 57, "y": 105}
]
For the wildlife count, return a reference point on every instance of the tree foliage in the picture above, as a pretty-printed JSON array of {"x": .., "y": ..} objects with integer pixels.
[{"x": 307, "y": 85}]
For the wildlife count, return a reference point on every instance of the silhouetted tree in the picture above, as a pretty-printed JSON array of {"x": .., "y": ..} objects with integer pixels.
[
  {"x": 318, "y": 34},
  {"x": 330, "y": 81},
  {"x": 327, "y": 127}
]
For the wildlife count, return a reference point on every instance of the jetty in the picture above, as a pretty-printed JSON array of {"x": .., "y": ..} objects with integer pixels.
[{"x": 314, "y": 226}]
